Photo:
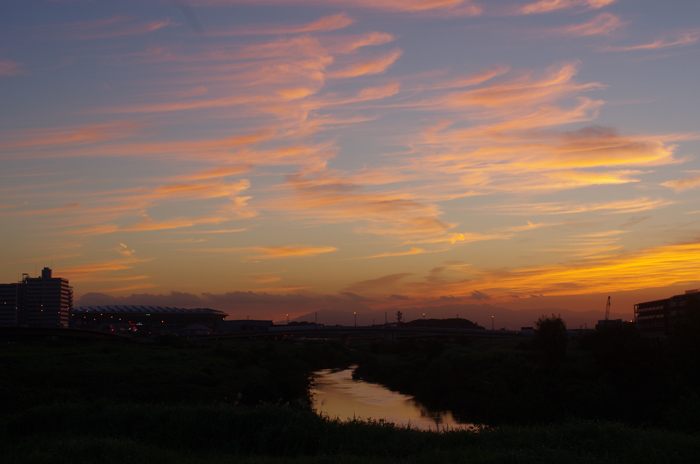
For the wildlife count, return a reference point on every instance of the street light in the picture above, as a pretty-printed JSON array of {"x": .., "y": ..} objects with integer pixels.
[
  {"x": 355, "y": 314},
  {"x": 287, "y": 318},
  {"x": 492, "y": 323}
]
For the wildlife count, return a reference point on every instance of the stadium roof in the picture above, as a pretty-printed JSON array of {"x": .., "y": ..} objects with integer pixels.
[{"x": 135, "y": 309}]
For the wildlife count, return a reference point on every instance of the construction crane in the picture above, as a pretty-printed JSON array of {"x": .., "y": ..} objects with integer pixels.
[{"x": 607, "y": 310}]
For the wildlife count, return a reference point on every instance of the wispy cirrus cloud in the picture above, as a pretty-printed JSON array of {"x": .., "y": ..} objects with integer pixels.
[
  {"x": 461, "y": 7},
  {"x": 382, "y": 284},
  {"x": 333, "y": 199},
  {"x": 680, "y": 185},
  {"x": 611, "y": 207},
  {"x": 547, "y": 6},
  {"x": 324, "y": 24},
  {"x": 603, "y": 24},
  {"x": 352, "y": 44},
  {"x": 126, "y": 210},
  {"x": 682, "y": 39},
  {"x": 373, "y": 66},
  {"x": 281, "y": 251},
  {"x": 412, "y": 251},
  {"x": 71, "y": 135},
  {"x": 104, "y": 28},
  {"x": 10, "y": 68}
]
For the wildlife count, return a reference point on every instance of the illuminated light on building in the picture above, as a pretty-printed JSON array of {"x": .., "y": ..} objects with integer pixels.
[
  {"x": 159, "y": 320},
  {"x": 44, "y": 301}
]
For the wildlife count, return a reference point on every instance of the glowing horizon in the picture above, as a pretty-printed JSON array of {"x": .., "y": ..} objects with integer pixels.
[{"x": 398, "y": 153}]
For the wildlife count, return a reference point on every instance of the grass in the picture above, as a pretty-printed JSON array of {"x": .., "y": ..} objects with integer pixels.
[
  {"x": 104, "y": 403},
  {"x": 124, "y": 433}
]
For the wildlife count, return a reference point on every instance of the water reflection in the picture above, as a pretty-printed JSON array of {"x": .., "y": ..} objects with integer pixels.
[{"x": 336, "y": 394}]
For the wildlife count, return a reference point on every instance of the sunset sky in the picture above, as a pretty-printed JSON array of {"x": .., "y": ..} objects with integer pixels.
[{"x": 266, "y": 157}]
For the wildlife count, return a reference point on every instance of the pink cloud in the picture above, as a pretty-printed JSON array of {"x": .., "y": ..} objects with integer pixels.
[
  {"x": 547, "y": 6},
  {"x": 683, "y": 39},
  {"x": 375, "y": 66},
  {"x": 71, "y": 135},
  {"x": 461, "y": 7},
  {"x": 603, "y": 24},
  {"x": 10, "y": 68}
]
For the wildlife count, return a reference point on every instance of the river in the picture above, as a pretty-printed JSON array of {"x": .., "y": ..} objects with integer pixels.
[{"x": 337, "y": 395}]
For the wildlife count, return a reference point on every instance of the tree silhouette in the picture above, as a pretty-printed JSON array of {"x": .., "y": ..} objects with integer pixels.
[{"x": 551, "y": 339}]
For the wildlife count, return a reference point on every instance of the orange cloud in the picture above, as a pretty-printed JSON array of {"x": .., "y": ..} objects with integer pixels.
[
  {"x": 42, "y": 212},
  {"x": 470, "y": 81},
  {"x": 216, "y": 172},
  {"x": 682, "y": 40},
  {"x": 100, "y": 229},
  {"x": 345, "y": 45},
  {"x": 148, "y": 224},
  {"x": 500, "y": 137},
  {"x": 370, "y": 93},
  {"x": 412, "y": 251},
  {"x": 382, "y": 283},
  {"x": 274, "y": 252},
  {"x": 603, "y": 24},
  {"x": 87, "y": 272},
  {"x": 264, "y": 279},
  {"x": 74, "y": 135},
  {"x": 461, "y": 7},
  {"x": 546, "y": 6},
  {"x": 217, "y": 231},
  {"x": 460, "y": 237},
  {"x": 332, "y": 199},
  {"x": 680, "y": 185},
  {"x": 375, "y": 66},
  {"x": 611, "y": 207},
  {"x": 600, "y": 270},
  {"x": 524, "y": 90}
]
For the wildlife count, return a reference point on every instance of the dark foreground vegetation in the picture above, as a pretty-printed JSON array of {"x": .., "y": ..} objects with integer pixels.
[
  {"x": 103, "y": 402},
  {"x": 611, "y": 375}
]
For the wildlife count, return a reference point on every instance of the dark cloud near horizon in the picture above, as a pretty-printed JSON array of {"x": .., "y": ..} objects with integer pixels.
[
  {"x": 235, "y": 304},
  {"x": 477, "y": 295},
  {"x": 355, "y": 296}
]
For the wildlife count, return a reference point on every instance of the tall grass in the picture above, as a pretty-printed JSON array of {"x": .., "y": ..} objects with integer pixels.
[{"x": 107, "y": 433}]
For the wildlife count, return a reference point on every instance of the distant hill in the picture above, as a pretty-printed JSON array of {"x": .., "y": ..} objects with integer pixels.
[
  {"x": 480, "y": 314},
  {"x": 452, "y": 323},
  {"x": 343, "y": 314}
]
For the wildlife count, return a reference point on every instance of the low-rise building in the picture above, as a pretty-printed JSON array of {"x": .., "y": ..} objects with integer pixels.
[
  {"x": 146, "y": 320},
  {"x": 657, "y": 318}
]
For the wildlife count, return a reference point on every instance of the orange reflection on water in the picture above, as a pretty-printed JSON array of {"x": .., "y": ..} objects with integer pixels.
[{"x": 337, "y": 395}]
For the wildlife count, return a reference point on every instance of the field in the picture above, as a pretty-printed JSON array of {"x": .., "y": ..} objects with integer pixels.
[{"x": 247, "y": 402}]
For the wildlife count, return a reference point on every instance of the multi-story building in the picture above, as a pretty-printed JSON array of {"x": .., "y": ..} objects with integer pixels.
[
  {"x": 44, "y": 301},
  {"x": 10, "y": 301},
  {"x": 657, "y": 318}
]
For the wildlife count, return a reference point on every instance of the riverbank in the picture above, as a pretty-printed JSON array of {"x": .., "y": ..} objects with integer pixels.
[
  {"x": 243, "y": 402},
  {"x": 615, "y": 375}
]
